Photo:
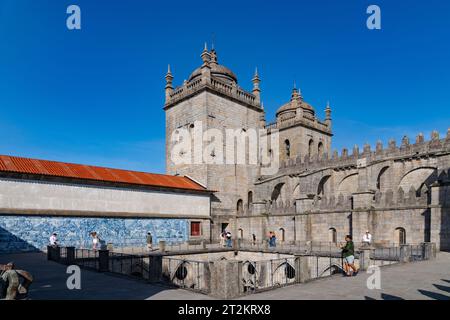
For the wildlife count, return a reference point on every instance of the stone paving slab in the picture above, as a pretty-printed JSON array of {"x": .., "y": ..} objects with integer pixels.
[
  {"x": 419, "y": 281},
  {"x": 50, "y": 283}
]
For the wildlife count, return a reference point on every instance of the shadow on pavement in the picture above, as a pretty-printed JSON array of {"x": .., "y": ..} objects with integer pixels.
[{"x": 434, "y": 295}]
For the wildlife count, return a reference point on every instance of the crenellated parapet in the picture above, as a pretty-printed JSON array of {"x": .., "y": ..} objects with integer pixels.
[{"x": 358, "y": 158}]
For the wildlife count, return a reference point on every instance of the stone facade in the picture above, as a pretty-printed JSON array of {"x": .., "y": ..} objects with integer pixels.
[{"x": 399, "y": 192}]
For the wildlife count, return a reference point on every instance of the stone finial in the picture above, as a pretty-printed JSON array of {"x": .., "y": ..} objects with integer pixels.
[
  {"x": 335, "y": 155},
  {"x": 328, "y": 115},
  {"x": 405, "y": 142},
  {"x": 392, "y": 144},
  {"x": 448, "y": 134},
  {"x": 434, "y": 135},
  {"x": 295, "y": 95},
  {"x": 420, "y": 138},
  {"x": 344, "y": 153},
  {"x": 256, "y": 89},
  {"x": 379, "y": 146},
  {"x": 206, "y": 56},
  {"x": 366, "y": 148},
  {"x": 169, "y": 86},
  {"x": 355, "y": 151}
]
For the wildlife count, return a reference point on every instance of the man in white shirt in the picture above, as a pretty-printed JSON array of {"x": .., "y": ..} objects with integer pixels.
[
  {"x": 367, "y": 238},
  {"x": 53, "y": 240}
]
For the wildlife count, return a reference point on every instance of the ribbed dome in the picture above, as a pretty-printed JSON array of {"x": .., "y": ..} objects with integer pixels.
[
  {"x": 217, "y": 70},
  {"x": 296, "y": 101}
]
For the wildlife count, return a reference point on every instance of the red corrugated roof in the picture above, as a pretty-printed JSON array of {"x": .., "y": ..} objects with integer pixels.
[{"x": 80, "y": 171}]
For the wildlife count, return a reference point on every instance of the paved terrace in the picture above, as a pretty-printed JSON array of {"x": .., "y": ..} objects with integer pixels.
[{"x": 419, "y": 280}]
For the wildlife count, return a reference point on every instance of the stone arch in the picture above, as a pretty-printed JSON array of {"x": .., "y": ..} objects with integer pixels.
[
  {"x": 240, "y": 233},
  {"x": 335, "y": 268},
  {"x": 279, "y": 194},
  {"x": 320, "y": 150},
  {"x": 240, "y": 207},
  {"x": 348, "y": 184},
  {"x": 282, "y": 234},
  {"x": 332, "y": 235},
  {"x": 296, "y": 193},
  {"x": 250, "y": 201},
  {"x": 310, "y": 148},
  {"x": 323, "y": 187},
  {"x": 416, "y": 177},
  {"x": 382, "y": 179},
  {"x": 400, "y": 235},
  {"x": 287, "y": 148},
  {"x": 284, "y": 272}
]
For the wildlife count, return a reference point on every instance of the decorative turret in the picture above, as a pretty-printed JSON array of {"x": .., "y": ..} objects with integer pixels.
[
  {"x": 256, "y": 90},
  {"x": 169, "y": 86},
  {"x": 328, "y": 115},
  {"x": 205, "y": 69}
]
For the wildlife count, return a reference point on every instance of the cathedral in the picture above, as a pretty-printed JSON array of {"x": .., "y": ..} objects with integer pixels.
[{"x": 399, "y": 192}]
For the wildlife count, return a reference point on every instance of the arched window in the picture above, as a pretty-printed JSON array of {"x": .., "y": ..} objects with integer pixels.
[
  {"x": 320, "y": 150},
  {"x": 241, "y": 233},
  {"x": 310, "y": 147},
  {"x": 332, "y": 235},
  {"x": 240, "y": 207},
  {"x": 287, "y": 146},
  {"x": 400, "y": 236},
  {"x": 250, "y": 201},
  {"x": 282, "y": 235}
]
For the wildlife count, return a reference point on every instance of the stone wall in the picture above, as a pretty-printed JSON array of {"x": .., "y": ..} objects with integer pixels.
[
  {"x": 25, "y": 196},
  {"x": 31, "y": 233}
]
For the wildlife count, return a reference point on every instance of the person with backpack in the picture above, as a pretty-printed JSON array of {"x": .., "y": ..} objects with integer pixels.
[
  {"x": 11, "y": 280},
  {"x": 348, "y": 256}
]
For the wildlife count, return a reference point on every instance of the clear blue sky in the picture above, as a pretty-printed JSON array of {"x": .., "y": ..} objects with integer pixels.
[{"x": 95, "y": 96}]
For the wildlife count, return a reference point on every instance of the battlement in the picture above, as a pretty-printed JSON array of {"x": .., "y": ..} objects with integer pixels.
[
  {"x": 306, "y": 121},
  {"x": 230, "y": 90},
  {"x": 361, "y": 158}
]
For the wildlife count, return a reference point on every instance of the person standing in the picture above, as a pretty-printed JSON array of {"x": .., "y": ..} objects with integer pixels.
[
  {"x": 11, "y": 277},
  {"x": 274, "y": 239},
  {"x": 53, "y": 240},
  {"x": 222, "y": 238},
  {"x": 228, "y": 239},
  {"x": 367, "y": 239},
  {"x": 95, "y": 240},
  {"x": 149, "y": 241},
  {"x": 348, "y": 255}
]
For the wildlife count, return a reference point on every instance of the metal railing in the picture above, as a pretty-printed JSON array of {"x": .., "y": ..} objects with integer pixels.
[
  {"x": 187, "y": 274},
  {"x": 268, "y": 274},
  {"x": 87, "y": 258}
]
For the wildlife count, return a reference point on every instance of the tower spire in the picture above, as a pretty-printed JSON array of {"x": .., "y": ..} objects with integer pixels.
[
  {"x": 328, "y": 115},
  {"x": 169, "y": 86},
  {"x": 206, "y": 56},
  {"x": 256, "y": 89}
]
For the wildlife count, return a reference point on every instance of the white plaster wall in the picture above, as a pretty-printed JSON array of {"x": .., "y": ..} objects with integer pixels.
[{"x": 31, "y": 195}]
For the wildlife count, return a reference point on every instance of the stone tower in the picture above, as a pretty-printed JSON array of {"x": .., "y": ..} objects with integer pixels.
[
  {"x": 212, "y": 99},
  {"x": 302, "y": 134}
]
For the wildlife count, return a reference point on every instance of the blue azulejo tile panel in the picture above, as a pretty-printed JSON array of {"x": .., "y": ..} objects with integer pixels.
[{"x": 31, "y": 233}]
